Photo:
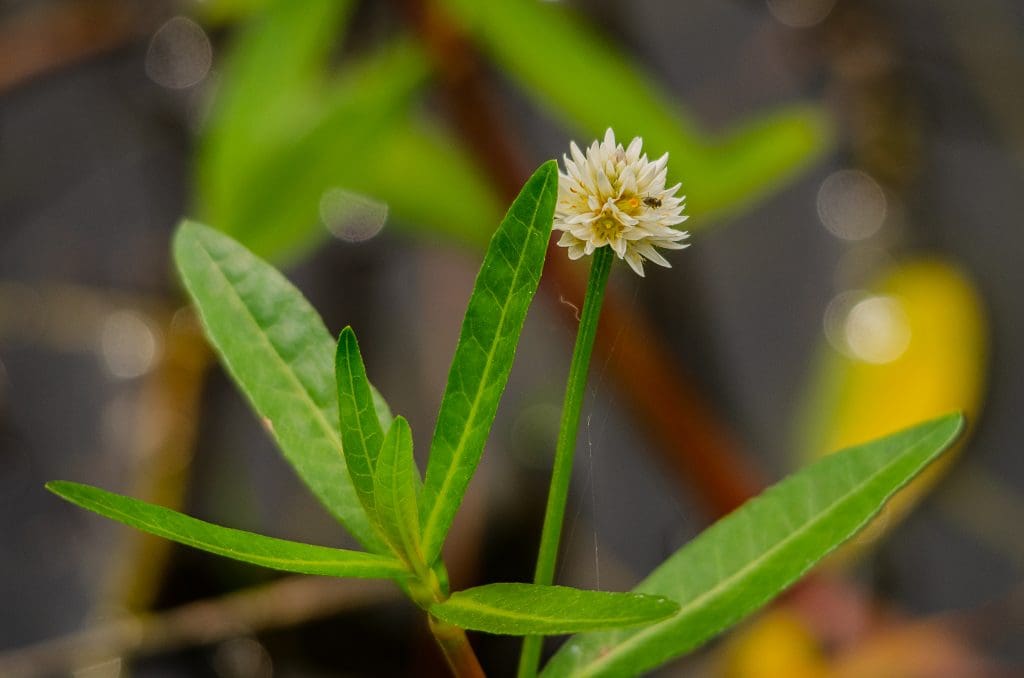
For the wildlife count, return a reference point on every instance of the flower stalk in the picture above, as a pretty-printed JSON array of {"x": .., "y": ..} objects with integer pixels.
[{"x": 564, "y": 451}]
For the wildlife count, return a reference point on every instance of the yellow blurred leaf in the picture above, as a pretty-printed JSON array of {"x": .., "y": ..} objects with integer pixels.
[
  {"x": 912, "y": 347},
  {"x": 776, "y": 644}
]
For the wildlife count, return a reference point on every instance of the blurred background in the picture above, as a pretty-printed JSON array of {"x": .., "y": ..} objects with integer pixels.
[{"x": 854, "y": 179}]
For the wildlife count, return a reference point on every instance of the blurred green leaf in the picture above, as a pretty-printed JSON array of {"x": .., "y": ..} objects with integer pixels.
[
  {"x": 430, "y": 184},
  {"x": 504, "y": 287},
  {"x": 396, "y": 485},
  {"x": 533, "y": 609},
  {"x": 280, "y": 216},
  {"x": 577, "y": 75},
  {"x": 276, "y": 554},
  {"x": 268, "y": 90},
  {"x": 361, "y": 432},
  {"x": 748, "y": 557},
  {"x": 279, "y": 112},
  {"x": 279, "y": 352},
  {"x": 219, "y": 12}
]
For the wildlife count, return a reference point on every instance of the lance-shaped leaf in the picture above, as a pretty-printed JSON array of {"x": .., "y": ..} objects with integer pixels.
[
  {"x": 396, "y": 485},
  {"x": 748, "y": 557},
  {"x": 533, "y": 609},
  {"x": 279, "y": 352},
  {"x": 277, "y": 554},
  {"x": 497, "y": 309},
  {"x": 361, "y": 432}
]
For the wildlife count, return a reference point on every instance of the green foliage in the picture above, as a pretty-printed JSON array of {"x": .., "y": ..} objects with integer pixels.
[
  {"x": 430, "y": 185},
  {"x": 279, "y": 352},
  {"x": 748, "y": 557},
  {"x": 497, "y": 309},
  {"x": 330, "y": 423},
  {"x": 276, "y": 554},
  {"x": 281, "y": 122},
  {"x": 361, "y": 432},
  {"x": 573, "y": 72},
  {"x": 279, "y": 215},
  {"x": 269, "y": 91},
  {"x": 284, "y": 129},
  {"x": 396, "y": 484},
  {"x": 532, "y": 609}
]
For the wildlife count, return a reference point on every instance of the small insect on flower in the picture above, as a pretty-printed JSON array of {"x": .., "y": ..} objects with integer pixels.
[{"x": 616, "y": 197}]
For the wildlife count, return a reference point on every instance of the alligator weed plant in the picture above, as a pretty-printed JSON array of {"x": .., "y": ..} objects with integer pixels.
[{"x": 338, "y": 433}]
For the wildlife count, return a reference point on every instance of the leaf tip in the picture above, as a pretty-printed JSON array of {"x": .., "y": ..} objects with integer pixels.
[
  {"x": 548, "y": 171},
  {"x": 61, "y": 488},
  {"x": 187, "y": 228},
  {"x": 668, "y": 607},
  {"x": 958, "y": 423},
  {"x": 187, "y": 232},
  {"x": 401, "y": 425}
]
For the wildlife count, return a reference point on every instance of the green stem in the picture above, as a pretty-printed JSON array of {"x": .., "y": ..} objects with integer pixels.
[{"x": 562, "y": 472}]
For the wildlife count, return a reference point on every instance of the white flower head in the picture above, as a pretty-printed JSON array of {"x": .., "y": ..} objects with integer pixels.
[{"x": 615, "y": 196}]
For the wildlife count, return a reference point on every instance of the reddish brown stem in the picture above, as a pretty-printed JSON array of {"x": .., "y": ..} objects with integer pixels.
[
  {"x": 46, "y": 36},
  {"x": 457, "y": 650}
]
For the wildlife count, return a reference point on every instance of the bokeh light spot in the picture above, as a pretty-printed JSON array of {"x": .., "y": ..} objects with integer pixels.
[
  {"x": 351, "y": 216},
  {"x": 129, "y": 345},
  {"x": 242, "y": 658},
  {"x": 179, "y": 55},
  {"x": 877, "y": 329},
  {"x": 851, "y": 205}
]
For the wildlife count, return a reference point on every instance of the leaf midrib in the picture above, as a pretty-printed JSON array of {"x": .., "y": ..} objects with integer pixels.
[
  {"x": 726, "y": 583},
  {"x": 359, "y": 425},
  {"x": 357, "y": 558},
  {"x": 459, "y": 450},
  {"x": 332, "y": 434},
  {"x": 506, "y": 613}
]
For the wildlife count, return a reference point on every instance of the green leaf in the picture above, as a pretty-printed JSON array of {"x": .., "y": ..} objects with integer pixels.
[
  {"x": 279, "y": 352},
  {"x": 280, "y": 213},
  {"x": 276, "y": 554},
  {"x": 361, "y": 432},
  {"x": 534, "y": 610},
  {"x": 748, "y": 557},
  {"x": 274, "y": 93},
  {"x": 396, "y": 484},
  {"x": 483, "y": 358},
  {"x": 563, "y": 62},
  {"x": 269, "y": 84},
  {"x": 430, "y": 184}
]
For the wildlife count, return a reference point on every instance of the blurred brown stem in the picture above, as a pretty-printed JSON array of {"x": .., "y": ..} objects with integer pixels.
[
  {"x": 284, "y": 603},
  {"x": 48, "y": 35}
]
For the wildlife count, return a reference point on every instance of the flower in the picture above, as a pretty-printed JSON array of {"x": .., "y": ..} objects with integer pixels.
[{"x": 616, "y": 197}]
